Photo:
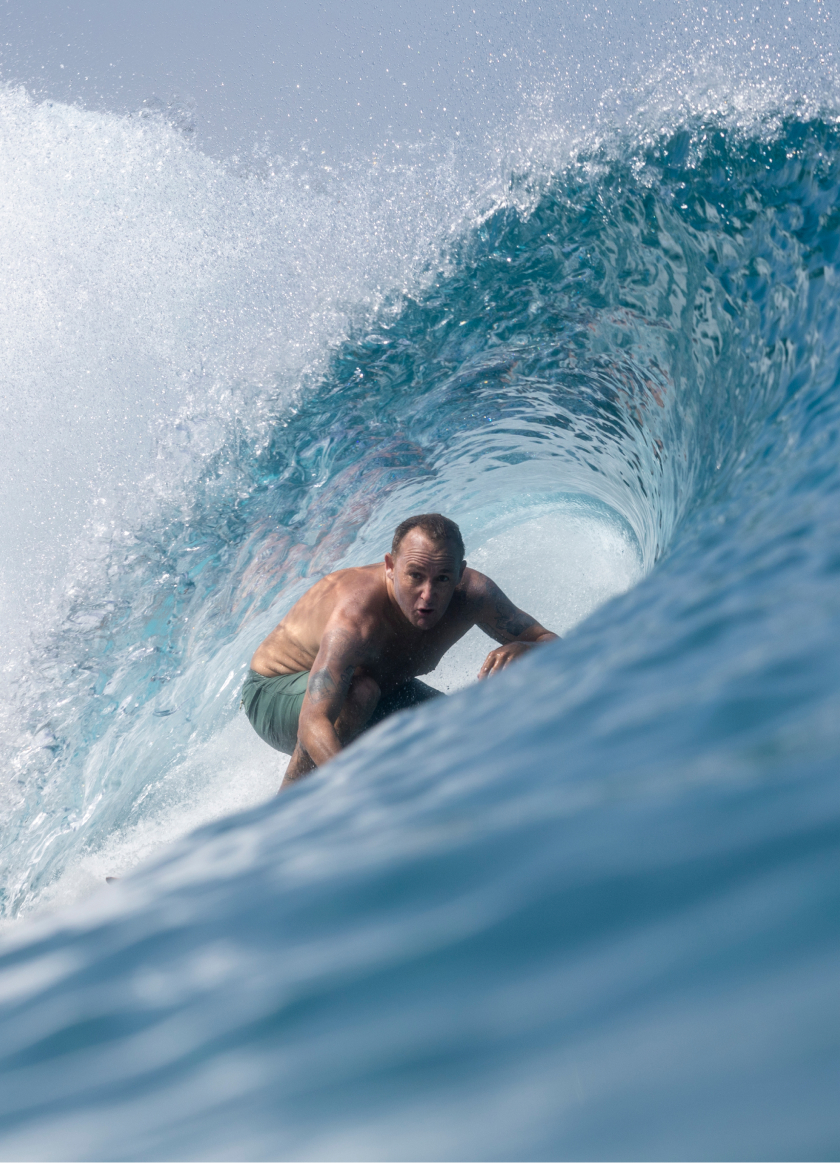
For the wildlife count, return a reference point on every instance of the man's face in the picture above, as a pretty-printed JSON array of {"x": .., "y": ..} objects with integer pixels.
[{"x": 423, "y": 576}]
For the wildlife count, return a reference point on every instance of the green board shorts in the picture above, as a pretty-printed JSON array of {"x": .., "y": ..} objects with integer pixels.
[{"x": 273, "y": 705}]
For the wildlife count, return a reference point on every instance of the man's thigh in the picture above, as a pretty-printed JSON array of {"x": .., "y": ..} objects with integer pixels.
[{"x": 273, "y": 707}]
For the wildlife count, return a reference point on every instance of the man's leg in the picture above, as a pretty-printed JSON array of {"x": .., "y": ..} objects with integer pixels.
[
  {"x": 358, "y": 707},
  {"x": 409, "y": 694},
  {"x": 299, "y": 765}
]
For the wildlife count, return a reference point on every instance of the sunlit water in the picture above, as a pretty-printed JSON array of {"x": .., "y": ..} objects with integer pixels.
[{"x": 587, "y": 909}]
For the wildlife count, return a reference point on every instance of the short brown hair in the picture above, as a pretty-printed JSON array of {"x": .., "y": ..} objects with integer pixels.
[{"x": 436, "y": 527}]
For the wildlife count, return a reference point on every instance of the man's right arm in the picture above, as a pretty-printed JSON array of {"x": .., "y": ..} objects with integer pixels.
[{"x": 329, "y": 681}]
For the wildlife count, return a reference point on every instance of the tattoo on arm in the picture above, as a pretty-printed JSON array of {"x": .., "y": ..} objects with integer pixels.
[
  {"x": 323, "y": 685},
  {"x": 506, "y": 623}
]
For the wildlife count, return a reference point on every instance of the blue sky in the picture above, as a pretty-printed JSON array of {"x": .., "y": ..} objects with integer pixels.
[{"x": 348, "y": 75}]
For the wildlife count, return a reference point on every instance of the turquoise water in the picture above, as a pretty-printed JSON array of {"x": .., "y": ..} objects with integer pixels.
[{"x": 585, "y": 910}]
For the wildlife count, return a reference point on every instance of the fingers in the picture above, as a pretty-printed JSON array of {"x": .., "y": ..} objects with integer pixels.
[
  {"x": 495, "y": 660},
  {"x": 488, "y": 665},
  {"x": 501, "y": 657}
]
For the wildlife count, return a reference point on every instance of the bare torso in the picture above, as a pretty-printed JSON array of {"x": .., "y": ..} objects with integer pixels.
[{"x": 388, "y": 647}]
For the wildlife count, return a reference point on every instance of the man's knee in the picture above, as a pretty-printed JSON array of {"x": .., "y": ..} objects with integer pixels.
[
  {"x": 358, "y": 708},
  {"x": 364, "y": 692}
]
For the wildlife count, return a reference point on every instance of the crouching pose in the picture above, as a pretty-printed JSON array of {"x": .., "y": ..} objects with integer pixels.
[{"x": 349, "y": 652}]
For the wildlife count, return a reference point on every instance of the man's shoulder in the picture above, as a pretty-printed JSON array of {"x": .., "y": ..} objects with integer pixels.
[
  {"x": 361, "y": 580},
  {"x": 353, "y": 624},
  {"x": 474, "y": 586},
  {"x": 358, "y": 591}
]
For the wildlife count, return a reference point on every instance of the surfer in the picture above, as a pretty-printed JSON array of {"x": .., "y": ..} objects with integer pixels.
[{"x": 349, "y": 652}]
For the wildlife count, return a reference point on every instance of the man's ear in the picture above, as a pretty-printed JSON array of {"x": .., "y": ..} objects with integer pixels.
[
  {"x": 463, "y": 568},
  {"x": 389, "y": 565}
]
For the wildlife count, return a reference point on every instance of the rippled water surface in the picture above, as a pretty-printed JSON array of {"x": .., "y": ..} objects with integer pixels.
[{"x": 585, "y": 910}]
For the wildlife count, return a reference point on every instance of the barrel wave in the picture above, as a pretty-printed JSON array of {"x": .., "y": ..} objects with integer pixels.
[{"x": 584, "y": 910}]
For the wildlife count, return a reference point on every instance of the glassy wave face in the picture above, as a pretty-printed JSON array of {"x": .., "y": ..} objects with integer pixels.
[{"x": 584, "y": 910}]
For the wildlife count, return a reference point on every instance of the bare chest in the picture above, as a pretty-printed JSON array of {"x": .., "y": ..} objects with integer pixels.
[{"x": 401, "y": 658}]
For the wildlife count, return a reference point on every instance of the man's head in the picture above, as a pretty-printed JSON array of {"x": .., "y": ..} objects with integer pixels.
[{"x": 424, "y": 566}]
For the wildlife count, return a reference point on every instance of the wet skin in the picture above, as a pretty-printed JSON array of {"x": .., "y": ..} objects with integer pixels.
[{"x": 363, "y": 631}]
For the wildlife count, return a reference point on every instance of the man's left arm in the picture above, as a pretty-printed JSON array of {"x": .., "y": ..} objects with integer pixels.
[{"x": 498, "y": 617}]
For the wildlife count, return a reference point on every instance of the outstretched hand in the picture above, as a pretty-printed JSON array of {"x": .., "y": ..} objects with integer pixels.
[{"x": 502, "y": 656}]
